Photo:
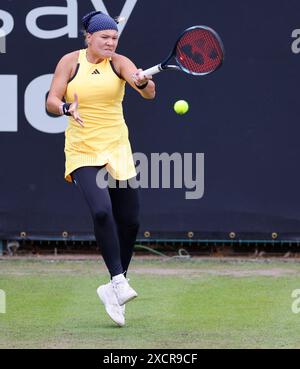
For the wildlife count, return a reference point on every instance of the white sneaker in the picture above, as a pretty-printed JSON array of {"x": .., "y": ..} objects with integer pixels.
[
  {"x": 107, "y": 295},
  {"x": 123, "y": 291}
]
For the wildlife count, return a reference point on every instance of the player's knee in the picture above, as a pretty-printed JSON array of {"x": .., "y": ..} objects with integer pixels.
[
  {"x": 134, "y": 225},
  {"x": 130, "y": 223},
  {"x": 134, "y": 219},
  {"x": 101, "y": 215}
]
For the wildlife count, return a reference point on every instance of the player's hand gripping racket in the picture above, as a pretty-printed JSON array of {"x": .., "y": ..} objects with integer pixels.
[{"x": 198, "y": 51}]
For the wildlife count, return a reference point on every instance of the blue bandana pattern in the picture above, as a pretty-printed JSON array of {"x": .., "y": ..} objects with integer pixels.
[{"x": 98, "y": 21}]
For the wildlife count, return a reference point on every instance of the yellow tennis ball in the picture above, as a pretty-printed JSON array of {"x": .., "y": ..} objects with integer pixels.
[{"x": 181, "y": 107}]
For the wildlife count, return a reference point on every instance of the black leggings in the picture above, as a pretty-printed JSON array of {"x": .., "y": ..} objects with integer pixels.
[{"x": 115, "y": 213}]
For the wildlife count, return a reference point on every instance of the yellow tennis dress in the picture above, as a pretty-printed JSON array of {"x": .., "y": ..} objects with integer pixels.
[{"x": 104, "y": 138}]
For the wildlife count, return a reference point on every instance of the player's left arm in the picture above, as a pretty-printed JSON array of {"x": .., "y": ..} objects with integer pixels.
[{"x": 135, "y": 77}]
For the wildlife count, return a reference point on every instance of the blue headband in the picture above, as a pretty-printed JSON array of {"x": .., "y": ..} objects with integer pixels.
[{"x": 98, "y": 21}]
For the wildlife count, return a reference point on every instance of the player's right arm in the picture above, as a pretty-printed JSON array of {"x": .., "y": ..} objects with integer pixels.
[
  {"x": 59, "y": 83},
  {"x": 65, "y": 69}
]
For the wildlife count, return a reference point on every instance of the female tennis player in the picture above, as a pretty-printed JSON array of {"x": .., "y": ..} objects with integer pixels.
[{"x": 88, "y": 86}]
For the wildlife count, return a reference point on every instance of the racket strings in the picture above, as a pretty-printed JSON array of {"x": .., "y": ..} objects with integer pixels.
[{"x": 199, "y": 51}]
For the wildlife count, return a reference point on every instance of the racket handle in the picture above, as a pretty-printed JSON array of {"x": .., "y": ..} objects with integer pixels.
[{"x": 154, "y": 70}]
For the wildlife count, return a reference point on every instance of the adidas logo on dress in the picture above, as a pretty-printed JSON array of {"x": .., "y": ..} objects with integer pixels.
[{"x": 96, "y": 71}]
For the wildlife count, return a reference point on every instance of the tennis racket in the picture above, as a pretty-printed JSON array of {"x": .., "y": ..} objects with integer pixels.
[{"x": 198, "y": 51}]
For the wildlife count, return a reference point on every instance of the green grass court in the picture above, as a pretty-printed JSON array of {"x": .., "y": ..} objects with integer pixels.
[{"x": 193, "y": 303}]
